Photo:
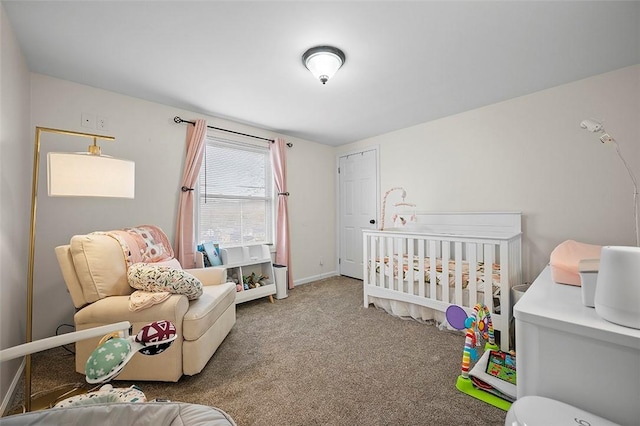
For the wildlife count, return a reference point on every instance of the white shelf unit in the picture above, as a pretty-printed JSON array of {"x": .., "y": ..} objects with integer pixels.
[{"x": 245, "y": 260}]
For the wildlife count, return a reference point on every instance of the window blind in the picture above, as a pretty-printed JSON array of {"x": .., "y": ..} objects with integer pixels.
[{"x": 236, "y": 194}]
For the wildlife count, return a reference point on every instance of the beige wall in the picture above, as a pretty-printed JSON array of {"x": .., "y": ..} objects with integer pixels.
[
  {"x": 312, "y": 206},
  {"x": 528, "y": 155},
  {"x": 16, "y": 147}
]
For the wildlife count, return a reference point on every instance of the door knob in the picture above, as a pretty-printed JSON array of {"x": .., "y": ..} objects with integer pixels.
[{"x": 372, "y": 221}]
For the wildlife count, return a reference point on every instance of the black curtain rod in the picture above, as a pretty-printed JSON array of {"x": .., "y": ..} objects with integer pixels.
[{"x": 180, "y": 120}]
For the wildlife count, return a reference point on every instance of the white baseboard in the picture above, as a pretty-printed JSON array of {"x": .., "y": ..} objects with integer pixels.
[
  {"x": 8, "y": 397},
  {"x": 315, "y": 278}
]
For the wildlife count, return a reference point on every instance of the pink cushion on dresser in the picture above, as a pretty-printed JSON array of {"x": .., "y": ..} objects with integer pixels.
[{"x": 566, "y": 257}]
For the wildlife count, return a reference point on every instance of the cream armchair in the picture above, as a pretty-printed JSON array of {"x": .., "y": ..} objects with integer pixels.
[{"x": 95, "y": 271}]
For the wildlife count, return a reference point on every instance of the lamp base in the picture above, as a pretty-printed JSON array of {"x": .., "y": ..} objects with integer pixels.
[{"x": 48, "y": 398}]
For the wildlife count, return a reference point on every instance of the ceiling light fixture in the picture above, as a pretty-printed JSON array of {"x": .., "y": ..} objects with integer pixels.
[{"x": 323, "y": 61}]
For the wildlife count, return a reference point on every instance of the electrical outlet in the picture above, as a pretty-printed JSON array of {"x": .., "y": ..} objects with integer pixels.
[
  {"x": 102, "y": 123},
  {"x": 88, "y": 120}
]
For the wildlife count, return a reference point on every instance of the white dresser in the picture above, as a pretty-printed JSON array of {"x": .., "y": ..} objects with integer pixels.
[{"x": 566, "y": 352}]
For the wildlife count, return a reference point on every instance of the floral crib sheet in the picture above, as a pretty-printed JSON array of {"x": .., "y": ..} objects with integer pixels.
[{"x": 495, "y": 273}]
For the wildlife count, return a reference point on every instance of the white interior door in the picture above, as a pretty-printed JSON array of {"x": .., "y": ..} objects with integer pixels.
[{"x": 358, "y": 187}]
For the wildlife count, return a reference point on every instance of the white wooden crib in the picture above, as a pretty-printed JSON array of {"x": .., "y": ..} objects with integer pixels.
[{"x": 441, "y": 248}]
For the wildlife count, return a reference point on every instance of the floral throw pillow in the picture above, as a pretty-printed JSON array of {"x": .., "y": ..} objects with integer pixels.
[{"x": 155, "y": 278}]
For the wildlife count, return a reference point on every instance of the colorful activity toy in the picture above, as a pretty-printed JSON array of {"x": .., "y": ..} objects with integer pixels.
[{"x": 478, "y": 328}]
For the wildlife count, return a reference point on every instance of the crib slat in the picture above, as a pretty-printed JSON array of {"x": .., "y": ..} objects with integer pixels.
[
  {"x": 458, "y": 273},
  {"x": 505, "y": 295},
  {"x": 410, "y": 267},
  {"x": 472, "y": 252},
  {"x": 397, "y": 244},
  {"x": 444, "y": 276},
  {"x": 373, "y": 255},
  {"x": 421, "y": 269},
  {"x": 488, "y": 276},
  {"x": 390, "y": 276},
  {"x": 366, "y": 275},
  {"x": 381, "y": 271},
  {"x": 432, "y": 270}
]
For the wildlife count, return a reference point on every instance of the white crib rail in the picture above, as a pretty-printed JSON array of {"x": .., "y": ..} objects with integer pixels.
[{"x": 387, "y": 280}]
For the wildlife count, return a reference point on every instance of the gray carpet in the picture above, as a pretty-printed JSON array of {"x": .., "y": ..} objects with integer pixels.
[{"x": 319, "y": 357}]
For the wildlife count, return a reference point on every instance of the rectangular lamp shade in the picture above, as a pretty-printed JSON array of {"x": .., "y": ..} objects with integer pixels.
[{"x": 72, "y": 174}]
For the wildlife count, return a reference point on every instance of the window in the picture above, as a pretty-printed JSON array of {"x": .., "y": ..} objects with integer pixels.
[{"x": 236, "y": 194}]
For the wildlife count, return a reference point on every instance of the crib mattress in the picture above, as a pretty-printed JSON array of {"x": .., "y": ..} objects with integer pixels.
[{"x": 392, "y": 271}]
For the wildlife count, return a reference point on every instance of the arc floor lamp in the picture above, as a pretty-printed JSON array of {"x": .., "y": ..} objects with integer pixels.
[{"x": 72, "y": 174}]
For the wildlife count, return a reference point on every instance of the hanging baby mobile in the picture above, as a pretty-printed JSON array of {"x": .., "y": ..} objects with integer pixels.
[{"x": 401, "y": 215}]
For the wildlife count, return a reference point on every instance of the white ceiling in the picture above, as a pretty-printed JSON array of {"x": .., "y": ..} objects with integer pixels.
[{"x": 407, "y": 62}]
